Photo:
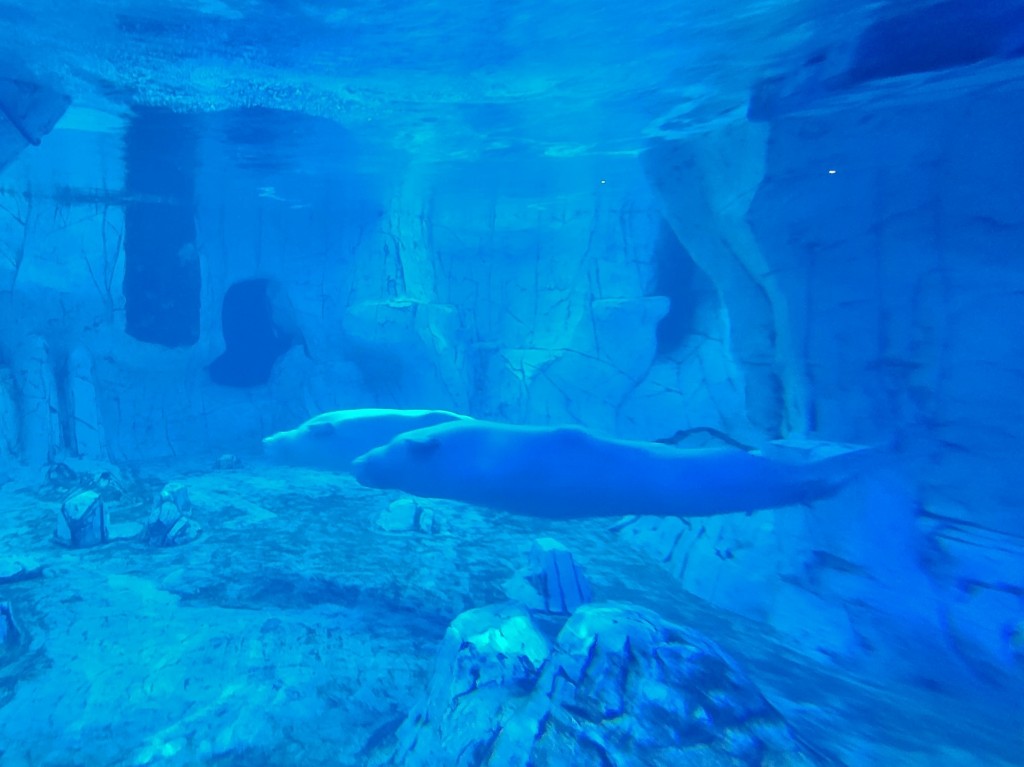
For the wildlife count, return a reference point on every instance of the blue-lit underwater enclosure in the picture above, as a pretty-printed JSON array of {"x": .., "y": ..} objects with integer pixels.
[{"x": 435, "y": 383}]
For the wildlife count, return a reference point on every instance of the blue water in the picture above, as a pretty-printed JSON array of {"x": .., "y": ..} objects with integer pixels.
[{"x": 660, "y": 235}]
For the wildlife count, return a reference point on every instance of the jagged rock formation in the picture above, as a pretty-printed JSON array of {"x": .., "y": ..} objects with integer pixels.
[
  {"x": 619, "y": 686},
  {"x": 170, "y": 522}
]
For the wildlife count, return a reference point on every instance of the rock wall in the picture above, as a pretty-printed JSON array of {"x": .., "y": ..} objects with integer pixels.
[
  {"x": 869, "y": 258},
  {"x": 515, "y": 290},
  {"x": 874, "y": 265},
  {"x": 866, "y": 248}
]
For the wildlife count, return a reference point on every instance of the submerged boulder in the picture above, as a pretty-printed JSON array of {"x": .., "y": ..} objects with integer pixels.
[
  {"x": 488, "y": 659},
  {"x": 228, "y": 462},
  {"x": 82, "y": 521},
  {"x": 620, "y": 686},
  {"x": 171, "y": 523}
]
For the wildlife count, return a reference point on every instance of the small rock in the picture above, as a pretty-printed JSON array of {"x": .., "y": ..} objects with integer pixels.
[
  {"x": 9, "y": 634},
  {"x": 227, "y": 461},
  {"x": 170, "y": 523},
  {"x": 176, "y": 493},
  {"x": 405, "y": 515},
  {"x": 552, "y": 582},
  {"x": 82, "y": 521}
]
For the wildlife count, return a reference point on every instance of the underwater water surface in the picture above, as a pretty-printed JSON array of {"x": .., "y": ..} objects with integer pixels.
[{"x": 509, "y": 383}]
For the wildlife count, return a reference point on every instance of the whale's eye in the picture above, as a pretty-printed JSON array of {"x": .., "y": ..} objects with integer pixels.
[{"x": 421, "y": 448}]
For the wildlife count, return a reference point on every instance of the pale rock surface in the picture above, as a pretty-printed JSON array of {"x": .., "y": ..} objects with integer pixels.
[
  {"x": 588, "y": 380},
  {"x": 705, "y": 186},
  {"x": 863, "y": 305},
  {"x": 228, "y": 462},
  {"x": 619, "y": 686},
  {"x": 487, "y": 655},
  {"x": 408, "y": 349},
  {"x": 82, "y": 521},
  {"x": 170, "y": 522},
  {"x": 405, "y": 515}
]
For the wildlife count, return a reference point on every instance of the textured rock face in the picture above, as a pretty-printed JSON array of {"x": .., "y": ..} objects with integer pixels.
[
  {"x": 620, "y": 686},
  {"x": 853, "y": 562},
  {"x": 867, "y": 270},
  {"x": 82, "y": 521},
  {"x": 539, "y": 304},
  {"x": 488, "y": 658},
  {"x": 535, "y": 306},
  {"x": 170, "y": 522},
  {"x": 880, "y": 287}
]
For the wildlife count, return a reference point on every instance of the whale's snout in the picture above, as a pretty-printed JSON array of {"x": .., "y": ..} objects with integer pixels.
[
  {"x": 274, "y": 448},
  {"x": 366, "y": 469},
  {"x": 360, "y": 470}
]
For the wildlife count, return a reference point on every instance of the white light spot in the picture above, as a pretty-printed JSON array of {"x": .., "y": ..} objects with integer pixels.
[
  {"x": 831, "y": 173},
  {"x": 603, "y": 181}
]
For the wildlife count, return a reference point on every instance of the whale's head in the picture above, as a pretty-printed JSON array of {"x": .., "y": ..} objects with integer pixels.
[
  {"x": 276, "y": 447},
  {"x": 311, "y": 444},
  {"x": 405, "y": 463}
]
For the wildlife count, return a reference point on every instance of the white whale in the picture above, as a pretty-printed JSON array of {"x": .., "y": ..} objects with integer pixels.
[
  {"x": 332, "y": 440},
  {"x": 567, "y": 472}
]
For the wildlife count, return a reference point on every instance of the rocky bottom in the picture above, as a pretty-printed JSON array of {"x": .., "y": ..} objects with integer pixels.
[{"x": 293, "y": 617}]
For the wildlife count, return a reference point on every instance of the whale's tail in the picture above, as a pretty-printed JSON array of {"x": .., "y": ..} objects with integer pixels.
[{"x": 828, "y": 467}]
